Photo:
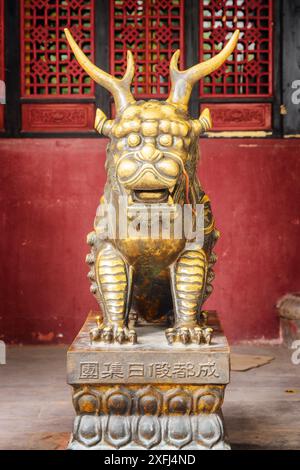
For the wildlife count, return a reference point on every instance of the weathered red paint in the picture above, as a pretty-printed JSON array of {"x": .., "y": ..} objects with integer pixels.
[{"x": 49, "y": 193}]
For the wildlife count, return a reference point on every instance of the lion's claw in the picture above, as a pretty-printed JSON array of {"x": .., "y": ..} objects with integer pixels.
[
  {"x": 113, "y": 334},
  {"x": 187, "y": 335}
]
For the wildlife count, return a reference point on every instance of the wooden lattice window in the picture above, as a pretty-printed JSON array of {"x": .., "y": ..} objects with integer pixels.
[
  {"x": 153, "y": 30},
  {"x": 48, "y": 68},
  {"x": 57, "y": 96},
  {"x": 248, "y": 73},
  {"x": 249, "y": 70},
  {"x": 47, "y": 65}
]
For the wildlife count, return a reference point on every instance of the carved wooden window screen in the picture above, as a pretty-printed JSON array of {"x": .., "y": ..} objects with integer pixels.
[
  {"x": 249, "y": 70},
  {"x": 153, "y": 30},
  {"x": 48, "y": 68},
  {"x": 57, "y": 96}
]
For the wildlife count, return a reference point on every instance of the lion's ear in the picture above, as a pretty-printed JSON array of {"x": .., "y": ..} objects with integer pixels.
[
  {"x": 102, "y": 124},
  {"x": 203, "y": 124}
]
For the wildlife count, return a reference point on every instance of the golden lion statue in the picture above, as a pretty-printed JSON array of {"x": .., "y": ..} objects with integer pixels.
[{"x": 151, "y": 160}]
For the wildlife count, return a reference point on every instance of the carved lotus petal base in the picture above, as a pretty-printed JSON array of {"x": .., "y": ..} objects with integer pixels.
[{"x": 150, "y": 417}]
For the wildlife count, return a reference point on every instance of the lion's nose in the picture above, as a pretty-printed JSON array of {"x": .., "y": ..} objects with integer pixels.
[{"x": 149, "y": 153}]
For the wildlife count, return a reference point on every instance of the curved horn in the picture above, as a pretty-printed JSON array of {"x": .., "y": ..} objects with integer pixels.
[
  {"x": 119, "y": 88},
  {"x": 182, "y": 81}
]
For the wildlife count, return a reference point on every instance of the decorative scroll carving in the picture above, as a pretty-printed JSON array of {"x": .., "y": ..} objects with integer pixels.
[
  {"x": 241, "y": 116},
  {"x": 148, "y": 417},
  {"x": 51, "y": 117}
]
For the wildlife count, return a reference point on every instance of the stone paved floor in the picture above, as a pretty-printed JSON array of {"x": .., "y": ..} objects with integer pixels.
[{"x": 261, "y": 409}]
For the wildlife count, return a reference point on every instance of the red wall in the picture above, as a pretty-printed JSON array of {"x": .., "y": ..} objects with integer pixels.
[{"x": 50, "y": 190}]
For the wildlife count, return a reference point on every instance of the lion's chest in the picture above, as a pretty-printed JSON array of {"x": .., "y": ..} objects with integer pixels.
[{"x": 148, "y": 255}]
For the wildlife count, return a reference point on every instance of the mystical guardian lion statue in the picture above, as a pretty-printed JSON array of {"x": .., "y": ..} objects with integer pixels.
[{"x": 151, "y": 160}]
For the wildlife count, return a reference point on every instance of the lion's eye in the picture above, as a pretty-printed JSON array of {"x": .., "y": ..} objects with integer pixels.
[
  {"x": 133, "y": 140},
  {"x": 165, "y": 140}
]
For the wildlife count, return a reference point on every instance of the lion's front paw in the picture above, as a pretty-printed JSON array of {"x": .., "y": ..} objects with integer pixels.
[
  {"x": 113, "y": 334},
  {"x": 187, "y": 335}
]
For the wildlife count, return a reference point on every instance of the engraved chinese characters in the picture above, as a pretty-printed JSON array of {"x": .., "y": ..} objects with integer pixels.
[{"x": 154, "y": 370}]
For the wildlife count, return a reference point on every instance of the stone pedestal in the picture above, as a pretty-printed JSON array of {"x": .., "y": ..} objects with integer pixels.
[{"x": 149, "y": 395}]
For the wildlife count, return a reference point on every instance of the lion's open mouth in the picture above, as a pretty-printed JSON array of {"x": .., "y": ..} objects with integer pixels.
[
  {"x": 168, "y": 196},
  {"x": 151, "y": 195}
]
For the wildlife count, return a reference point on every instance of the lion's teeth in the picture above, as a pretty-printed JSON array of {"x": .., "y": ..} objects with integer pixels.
[{"x": 130, "y": 200}]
